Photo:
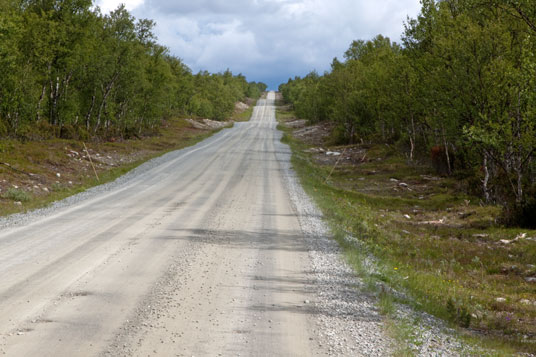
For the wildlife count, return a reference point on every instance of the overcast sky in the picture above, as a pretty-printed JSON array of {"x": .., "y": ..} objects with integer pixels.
[{"x": 267, "y": 40}]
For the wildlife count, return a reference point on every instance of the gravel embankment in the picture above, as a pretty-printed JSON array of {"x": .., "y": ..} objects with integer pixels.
[{"x": 347, "y": 321}]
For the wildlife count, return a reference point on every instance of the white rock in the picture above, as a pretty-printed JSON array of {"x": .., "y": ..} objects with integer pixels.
[
  {"x": 522, "y": 236},
  {"x": 58, "y": 174},
  {"x": 333, "y": 153},
  {"x": 525, "y": 302},
  {"x": 407, "y": 216},
  {"x": 500, "y": 299},
  {"x": 530, "y": 279},
  {"x": 18, "y": 203},
  {"x": 481, "y": 235}
]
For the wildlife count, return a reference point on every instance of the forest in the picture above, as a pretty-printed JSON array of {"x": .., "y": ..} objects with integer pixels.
[
  {"x": 67, "y": 70},
  {"x": 458, "y": 93}
]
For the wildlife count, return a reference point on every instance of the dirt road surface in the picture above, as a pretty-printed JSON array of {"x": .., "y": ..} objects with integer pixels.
[{"x": 202, "y": 255}]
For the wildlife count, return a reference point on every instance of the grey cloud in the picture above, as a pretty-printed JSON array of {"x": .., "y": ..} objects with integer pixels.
[{"x": 271, "y": 40}]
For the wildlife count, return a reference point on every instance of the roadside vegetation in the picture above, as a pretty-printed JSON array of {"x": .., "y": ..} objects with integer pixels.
[
  {"x": 69, "y": 71},
  {"x": 431, "y": 245},
  {"x": 458, "y": 93}
]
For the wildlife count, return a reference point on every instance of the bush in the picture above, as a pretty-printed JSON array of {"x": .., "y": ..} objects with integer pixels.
[
  {"x": 523, "y": 216},
  {"x": 458, "y": 314},
  {"x": 17, "y": 195}
]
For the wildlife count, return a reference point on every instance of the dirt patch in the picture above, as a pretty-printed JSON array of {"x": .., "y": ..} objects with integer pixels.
[
  {"x": 315, "y": 134},
  {"x": 240, "y": 107}
]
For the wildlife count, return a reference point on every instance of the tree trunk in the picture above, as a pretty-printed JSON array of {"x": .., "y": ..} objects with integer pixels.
[
  {"x": 485, "y": 182},
  {"x": 43, "y": 92},
  {"x": 447, "y": 155},
  {"x": 88, "y": 115}
]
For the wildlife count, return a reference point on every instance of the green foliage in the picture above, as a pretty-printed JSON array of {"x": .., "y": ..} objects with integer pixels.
[
  {"x": 458, "y": 315},
  {"x": 461, "y": 87},
  {"x": 17, "y": 195},
  {"x": 87, "y": 73}
]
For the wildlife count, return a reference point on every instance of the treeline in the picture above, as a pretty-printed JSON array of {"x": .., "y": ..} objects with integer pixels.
[
  {"x": 461, "y": 89},
  {"x": 68, "y": 70}
]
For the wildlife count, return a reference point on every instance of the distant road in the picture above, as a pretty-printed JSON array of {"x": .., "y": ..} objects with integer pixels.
[{"x": 202, "y": 255}]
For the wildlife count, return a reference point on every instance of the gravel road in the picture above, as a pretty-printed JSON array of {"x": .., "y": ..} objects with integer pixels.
[{"x": 212, "y": 250}]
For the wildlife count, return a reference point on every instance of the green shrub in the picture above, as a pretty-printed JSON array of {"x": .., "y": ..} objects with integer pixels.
[{"x": 17, "y": 195}]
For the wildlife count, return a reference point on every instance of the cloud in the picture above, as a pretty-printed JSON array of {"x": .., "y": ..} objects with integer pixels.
[
  {"x": 271, "y": 40},
  {"x": 110, "y": 5}
]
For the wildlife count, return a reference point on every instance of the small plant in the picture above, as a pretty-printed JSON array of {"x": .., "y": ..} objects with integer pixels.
[
  {"x": 57, "y": 187},
  {"x": 386, "y": 303},
  {"x": 17, "y": 195},
  {"x": 459, "y": 315}
]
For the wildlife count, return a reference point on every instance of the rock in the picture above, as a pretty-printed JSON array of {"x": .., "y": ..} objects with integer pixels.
[
  {"x": 45, "y": 189},
  {"x": 481, "y": 235},
  {"x": 306, "y": 301},
  {"x": 58, "y": 174},
  {"x": 393, "y": 180},
  {"x": 530, "y": 279},
  {"x": 521, "y": 236},
  {"x": 241, "y": 106},
  {"x": 333, "y": 153},
  {"x": 505, "y": 241},
  {"x": 403, "y": 184},
  {"x": 18, "y": 203},
  {"x": 500, "y": 299},
  {"x": 525, "y": 302},
  {"x": 407, "y": 216}
]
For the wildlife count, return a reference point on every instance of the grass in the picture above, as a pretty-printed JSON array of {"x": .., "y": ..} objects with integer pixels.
[
  {"x": 430, "y": 240},
  {"x": 243, "y": 116},
  {"x": 17, "y": 195},
  {"x": 33, "y": 167}
]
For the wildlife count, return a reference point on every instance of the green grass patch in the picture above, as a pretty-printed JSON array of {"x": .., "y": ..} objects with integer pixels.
[
  {"x": 243, "y": 116},
  {"x": 15, "y": 194}
]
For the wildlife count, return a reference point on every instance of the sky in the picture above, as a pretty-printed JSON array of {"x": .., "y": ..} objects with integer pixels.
[{"x": 267, "y": 40}]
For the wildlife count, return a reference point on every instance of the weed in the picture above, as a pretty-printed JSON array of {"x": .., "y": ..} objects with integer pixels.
[{"x": 15, "y": 194}]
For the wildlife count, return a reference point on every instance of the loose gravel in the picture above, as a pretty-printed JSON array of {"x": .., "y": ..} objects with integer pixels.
[{"x": 347, "y": 321}]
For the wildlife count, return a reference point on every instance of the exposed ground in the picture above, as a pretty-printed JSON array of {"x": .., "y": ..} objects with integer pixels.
[
  {"x": 211, "y": 250},
  {"x": 435, "y": 247}
]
